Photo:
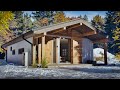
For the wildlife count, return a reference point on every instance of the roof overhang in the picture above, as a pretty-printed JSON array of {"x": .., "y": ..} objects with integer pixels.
[
  {"x": 17, "y": 39},
  {"x": 84, "y": 28},
  {"x": 63, "y": 25}
]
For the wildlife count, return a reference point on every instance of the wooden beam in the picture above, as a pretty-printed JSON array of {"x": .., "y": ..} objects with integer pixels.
[
  {"x": 56, "y": 31},
  {"x": 58, "y": 36},
  {"x": 101, "y": 40},
  {"x": 38, "y": 35},
  {"x": 57, "y": 50},
  {"x": 69, "y": 47},
  {"x": 80, "y": 51},
  {"x": 39, "y": 52},
  {"x": 71, "y": 53},
  {"x": 43, "y": 47},
  {"x": 52, "y": 51},
  {"x": 105, "y": 53},
  {"x": 74, "y": 26},
  {"x": 34, "y": 51},
  {"x": 89, "y": 33},
  {"x": 68, "y": 37},
  {"x": 36, "y": 41}
]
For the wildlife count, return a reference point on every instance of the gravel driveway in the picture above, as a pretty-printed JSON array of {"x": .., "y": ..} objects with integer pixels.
[{"x": 83, "y": 71}]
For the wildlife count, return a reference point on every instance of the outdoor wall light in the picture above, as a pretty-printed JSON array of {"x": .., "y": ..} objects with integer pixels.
[
  {"x": 80, "y": 23},
  {"x": 64, "y": 28}
]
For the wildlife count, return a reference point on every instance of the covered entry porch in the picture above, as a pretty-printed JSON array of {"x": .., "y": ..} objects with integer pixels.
[{"x": 62, "y": 43}]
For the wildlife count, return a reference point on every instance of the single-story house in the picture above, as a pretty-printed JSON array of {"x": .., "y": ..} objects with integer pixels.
[{"x": 66, "y": 42}]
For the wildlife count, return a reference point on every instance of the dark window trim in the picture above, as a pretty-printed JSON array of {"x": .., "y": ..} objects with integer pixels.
[
  {"x": 10, "y": 48},
  {"x": 21, "y": 51},
  {"x": 13, "y": 52}
]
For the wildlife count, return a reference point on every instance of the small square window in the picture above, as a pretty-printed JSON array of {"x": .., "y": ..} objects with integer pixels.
[
  {"x": 13, "y": 52},
  {"x": 21, "y": 50}
]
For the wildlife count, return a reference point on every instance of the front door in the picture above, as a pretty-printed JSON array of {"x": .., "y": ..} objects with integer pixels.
[{"x": 64, "y": 50}]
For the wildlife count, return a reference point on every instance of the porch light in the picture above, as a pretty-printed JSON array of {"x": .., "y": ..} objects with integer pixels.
[
  {"x": 44, "y": 33},
  {"x": 64, "y": 28},
  {"x": 63, "y": 38},
  {"x": 80, "y": 23}
]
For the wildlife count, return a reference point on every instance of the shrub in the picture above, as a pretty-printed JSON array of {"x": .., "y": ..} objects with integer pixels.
[
  {"x": 44, "y": 63},
  {"x": 98, "y": 58},
  {"x": 34, "y": 65}
]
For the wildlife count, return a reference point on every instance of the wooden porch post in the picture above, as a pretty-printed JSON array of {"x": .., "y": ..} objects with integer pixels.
[
  {"x": 43, "y": 47},
  {"x": 52, "y": 50},
  {"x": 58, "y": 50},
  {"x": 71, "y": 50},
  {"x": 34, "y": 51},
  {"x": 80, "y": 51},
  {"x": 105, "y": 53},
  {"x": 39, "y": 51}
]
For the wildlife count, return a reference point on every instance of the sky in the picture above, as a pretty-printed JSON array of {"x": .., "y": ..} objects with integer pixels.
[{"x": 90, "y": 14}]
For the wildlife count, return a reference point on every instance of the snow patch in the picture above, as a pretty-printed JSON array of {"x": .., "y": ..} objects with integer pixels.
[{"x": 111, "y": 58}]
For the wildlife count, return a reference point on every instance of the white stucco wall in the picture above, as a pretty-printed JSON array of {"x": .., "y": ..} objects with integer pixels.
[
  {"x": 17, "y": 58},
  {"x": 87, "y": 50}
]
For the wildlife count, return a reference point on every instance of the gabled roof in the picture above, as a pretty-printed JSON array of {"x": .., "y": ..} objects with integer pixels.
[
  {"x": 49, "y": 28},
  {"x": 63, "y": 24}
]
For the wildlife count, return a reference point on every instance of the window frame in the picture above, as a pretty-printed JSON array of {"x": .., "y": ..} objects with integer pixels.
[
  {"x": 10, "y": 48},
  {"x": 21, "y": 51},
  {"x": 13, "y": 52}
]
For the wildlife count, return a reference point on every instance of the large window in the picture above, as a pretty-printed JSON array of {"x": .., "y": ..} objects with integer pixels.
[
  {"x": 21, "y": 50},
  {"x": 13, "y": 52}
]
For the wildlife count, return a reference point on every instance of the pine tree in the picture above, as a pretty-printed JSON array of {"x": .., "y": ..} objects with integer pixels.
[
  {"x": 85, "y": 17},
  {"x": 116, "y": 33},
  {"x": 79, "y": 16},
  {"x": 22, "y": 23},
  {"x": 27, "y": 23},
  {"x": 98, "y": 22},
  {"x": 110, "y": 27},
  {"x": 17, "y": 23},
  {"x": 43, "y": 17}
]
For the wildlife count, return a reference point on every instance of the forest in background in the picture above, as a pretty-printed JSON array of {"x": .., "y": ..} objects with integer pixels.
[{"x": 16, "y": 23}]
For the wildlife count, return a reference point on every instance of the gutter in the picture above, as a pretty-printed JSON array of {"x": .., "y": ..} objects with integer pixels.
[
  {"x": 27, "y": 41},
  {"x": 23, "y": 37}
]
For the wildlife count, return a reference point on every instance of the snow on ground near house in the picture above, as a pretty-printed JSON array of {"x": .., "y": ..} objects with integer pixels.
[
  {"x": 111, "y": 57},
  {"x": 82, "y": 71}
]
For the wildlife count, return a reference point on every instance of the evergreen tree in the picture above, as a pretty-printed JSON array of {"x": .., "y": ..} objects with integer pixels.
[
  {"x": 110, "y": 27},
  {"x": 85, "y": 17},
  {"x": 43, "y": 17},
  {"x": 27, "y": 23},
  {"x": 98, "y": 23},
  {"x": 79, "y": 16},
  {"x": 21, "y": 24},
  {"x": 116, "y": 33},
  {"x": 17, "y": 23}
]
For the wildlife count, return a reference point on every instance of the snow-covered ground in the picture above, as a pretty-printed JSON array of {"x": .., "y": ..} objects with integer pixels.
[
  {"x": 111, "y": 58},
  {"x": 61, "y": 72},
  {"x": 82, "y": 71}
]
